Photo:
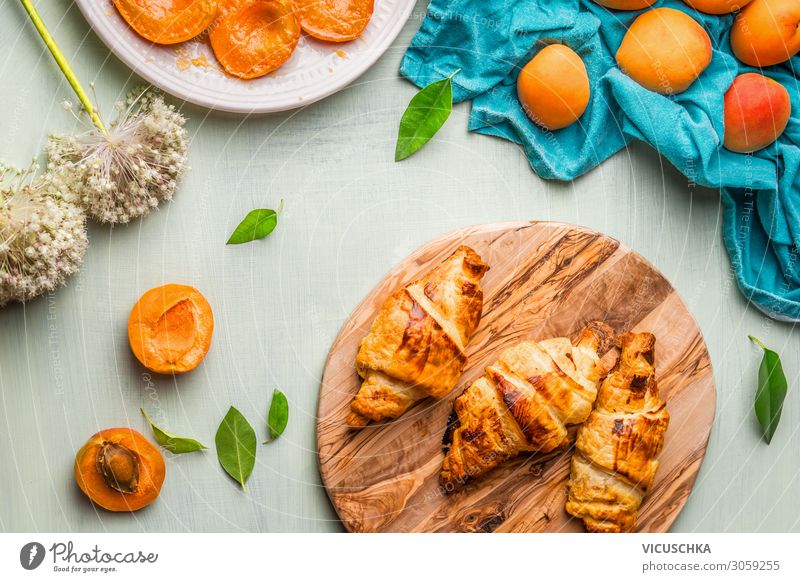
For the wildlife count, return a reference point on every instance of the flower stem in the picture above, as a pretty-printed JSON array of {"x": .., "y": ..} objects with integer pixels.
[{"x": 62, "y": 63}]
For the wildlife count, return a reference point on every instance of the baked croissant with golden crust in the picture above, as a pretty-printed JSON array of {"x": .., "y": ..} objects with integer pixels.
[
  {"x": 523, "y": 403},
  {"x": 416, "y": 346},
  {"x": 617, "y": 449}
]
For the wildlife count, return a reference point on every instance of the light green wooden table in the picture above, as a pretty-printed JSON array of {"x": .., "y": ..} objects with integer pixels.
[{"x": 351, "y": 213}]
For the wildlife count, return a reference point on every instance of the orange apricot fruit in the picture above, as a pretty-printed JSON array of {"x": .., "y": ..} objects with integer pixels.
[
  {"x": 168, "y": 21},
  {"x": 664, "y": 50},
  {"x": 251, "y": 38},
  {"x": 553, "y": 87},
  {"x": 757, "y": 110},
  {"x": 625, "y": 4},
  {"x": 120, "y": 470},
  {"x": 717, "y": 6},
  {"x": 766, "y": 32},
  {"x": 334, "y": 20},
  {"x": 170, "y": 329}
]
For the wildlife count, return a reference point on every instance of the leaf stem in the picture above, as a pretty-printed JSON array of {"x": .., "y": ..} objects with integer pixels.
[
  {"x": 63, "y": 64},
  {"x": 758, "y": 342}
]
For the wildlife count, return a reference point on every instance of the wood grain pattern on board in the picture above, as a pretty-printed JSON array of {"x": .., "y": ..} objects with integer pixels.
[{"x": 546, "y": 280}]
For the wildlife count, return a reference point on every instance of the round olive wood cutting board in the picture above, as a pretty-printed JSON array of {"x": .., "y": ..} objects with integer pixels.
[{"x": 545, "y": 280}]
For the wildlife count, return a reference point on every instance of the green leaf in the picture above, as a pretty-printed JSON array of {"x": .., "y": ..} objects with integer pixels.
[
  {"x": 772, "y": 387},
  {"x": 425, "y": 115},
  {"x": 236, "y": 446},
  {"x": 278, "y": 416},
  {"x": 174, "y": 444},
  {"x": 257, "y": 224}
]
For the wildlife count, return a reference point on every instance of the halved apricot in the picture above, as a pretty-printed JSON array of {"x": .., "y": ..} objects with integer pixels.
[
  {"x": 251, "y": 38},
  {"x": 120, "y": 470},
  {"x": 170, "y": 329},
  {"x": 168, "y": 21},
  {"x": 334, "y": 20}
]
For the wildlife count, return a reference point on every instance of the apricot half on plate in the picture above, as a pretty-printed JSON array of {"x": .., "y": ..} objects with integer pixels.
[
  {"x": 120, "y": 470},
  {"x": 251, "y": 38},
  {"x": 170, "y": 329},
  {"x": 334, "y": 20},
  {"x": 168, "y": 21}
]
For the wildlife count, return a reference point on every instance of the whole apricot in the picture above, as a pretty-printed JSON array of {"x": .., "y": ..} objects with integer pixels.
[
  {"x": 625, "y": 4},
  {"x": 170, "y": 329},
  {"x": 554, "y": 87},
  {"x": 168, "y": 21},
  {"x": 664, "y": 50},
  {"x": 757, "y": 110},
  {"x": 766, "y": 32},
  {"x": 717, "y": 6},
  {"x": 120, "y": 470}
]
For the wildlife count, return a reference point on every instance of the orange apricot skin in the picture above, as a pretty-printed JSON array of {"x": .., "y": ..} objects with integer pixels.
[
  {"x": 251, "y": 38},
  {"x": 168, "y": 21},
  {"x": 625, "y": 4},
  {"x": 757, "y": 110},
  {"x": 152, "y": 470},
  {"x": 170, "y": 329},
  {"x": 553, "y": 87},
  {"x": 664, "y": 50},
  {"x": 717, "y": 6},
  {"x": 334, "y": 20},
  {"x": 766, "y": 32}
]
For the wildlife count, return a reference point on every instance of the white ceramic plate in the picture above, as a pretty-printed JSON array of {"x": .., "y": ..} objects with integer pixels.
[{"x": 190, "y": 72}]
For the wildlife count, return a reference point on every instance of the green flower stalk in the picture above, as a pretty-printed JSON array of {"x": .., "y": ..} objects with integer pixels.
[{"x": 63, "y": 64}]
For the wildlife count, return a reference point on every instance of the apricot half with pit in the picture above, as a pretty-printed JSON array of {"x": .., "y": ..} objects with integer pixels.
[
  {"x": 554, "y": 87},
  {"x": 251, "y": 38},
  {"x": 120, "y": 470},
  {"x": 766, "y": 32},
  {"x": 664, "y": 50},
  {"x": 334, "y": 20},
  {"x": 170, "y": 329},
  {"x": 168, "y": 21},
  {"x": 757, "y": 110}
]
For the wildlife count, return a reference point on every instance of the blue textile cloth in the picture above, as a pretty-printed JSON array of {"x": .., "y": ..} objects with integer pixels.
[{"x": 490, "y": 40}]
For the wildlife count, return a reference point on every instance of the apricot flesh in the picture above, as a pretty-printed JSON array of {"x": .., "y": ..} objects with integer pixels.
[
  {"x": 757, "y": 110},
  {"x": 251, "y": 38},
  {"x": 664, "y": 50},
  {"x": 120, "y": 470},
  {"x": 170, "y": 329},
  {"x": 766, "y": 32},
  {"x": 625, "y": 4},
  {"x": 553, "y": 87},
  {"x": 334, "y": 20},
  {"x": 717, "y": 6},
  {"x": 168, "y": 21}
]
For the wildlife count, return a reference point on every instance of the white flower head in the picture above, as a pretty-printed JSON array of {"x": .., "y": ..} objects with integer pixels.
[
  {"x": 42, "y": 235},
  {"x": 125, "y": 173}
]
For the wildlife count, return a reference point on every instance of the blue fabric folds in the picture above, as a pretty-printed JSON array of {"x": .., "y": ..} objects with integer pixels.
[{"x": 490, "y": 40}]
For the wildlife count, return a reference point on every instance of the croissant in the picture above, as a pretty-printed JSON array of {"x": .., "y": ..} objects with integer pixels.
[
  {"x": 523, "y": 403},
  {"x": 415, "y": 347},
  {"x": 617, "y": 447}
]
